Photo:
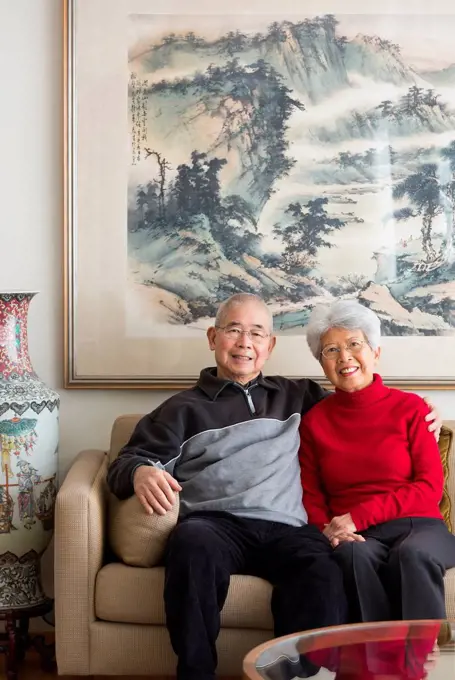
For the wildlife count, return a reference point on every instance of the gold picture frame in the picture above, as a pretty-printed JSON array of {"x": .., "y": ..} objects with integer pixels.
[{"x": 139, "y": 294}]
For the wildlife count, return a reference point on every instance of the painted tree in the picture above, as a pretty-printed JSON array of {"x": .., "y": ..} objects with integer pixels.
[
  {"x": 190, "y": 186},
  {"x": 329, "y": 22},
  {"x": 190, "y": 37},
  {"x": 431, "y": 98},
  {"x": 163, "y": 166},
  {"x": 386, "y": 108},
  {"x": 308, "y": 229},
  {"x": 276, "y": 32},
  {"x": 236, "y": 229},
  {"x": 197, "y": 191},
  {"x": 169, "y": 39},
  {"x": 346, "y": 159},
  {"x": 210, "y": 187},
  {"x": 234, "y": 42},
  {"x": 423, "y": 191},
  {"x": 416, "y": 95},
  {"x": 147, "y": 204},
  {"x": 448, "y": 154}
]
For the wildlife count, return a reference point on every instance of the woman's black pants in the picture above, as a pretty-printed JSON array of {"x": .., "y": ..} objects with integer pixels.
[{"x": 398, "y": 572}]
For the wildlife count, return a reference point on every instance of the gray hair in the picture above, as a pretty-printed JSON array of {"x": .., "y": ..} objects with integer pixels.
[
  {"x": 347, "y": 314},
  {"x": 240, "y": 299}
]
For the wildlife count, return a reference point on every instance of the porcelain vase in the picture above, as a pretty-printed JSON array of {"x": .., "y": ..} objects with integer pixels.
[{"x": 28, "y": 457}]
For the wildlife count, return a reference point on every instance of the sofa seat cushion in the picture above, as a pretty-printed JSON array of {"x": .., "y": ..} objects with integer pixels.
[
  {"x": 134, "y": 595},
  {"x": 125, "y": 594}
]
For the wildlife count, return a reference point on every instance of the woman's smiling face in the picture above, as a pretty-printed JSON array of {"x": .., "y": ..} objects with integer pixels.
[{"x": 347, "y": 359}]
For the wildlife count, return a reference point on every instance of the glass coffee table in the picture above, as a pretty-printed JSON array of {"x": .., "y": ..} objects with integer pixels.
[{"x": 395, "y": 650}]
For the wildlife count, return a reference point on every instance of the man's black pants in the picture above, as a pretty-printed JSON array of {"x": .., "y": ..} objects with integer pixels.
[
  {"x": 398, "y": 573},
  {"x": 204, "y": 550}
]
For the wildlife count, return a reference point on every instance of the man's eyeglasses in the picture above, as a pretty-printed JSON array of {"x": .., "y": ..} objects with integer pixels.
[
  {"x": 354, "y": 346},
  {"x": 235, "y": 332}
]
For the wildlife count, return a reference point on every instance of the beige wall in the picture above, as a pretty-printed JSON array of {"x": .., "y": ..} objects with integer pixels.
[{"x": 31, "y": 215}]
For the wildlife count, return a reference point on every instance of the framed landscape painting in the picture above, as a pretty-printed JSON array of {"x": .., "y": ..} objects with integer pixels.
[{"x": 303, "y": 156}]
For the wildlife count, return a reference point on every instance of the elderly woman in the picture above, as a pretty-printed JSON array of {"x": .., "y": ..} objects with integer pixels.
[{"x": 372, "y": 476}]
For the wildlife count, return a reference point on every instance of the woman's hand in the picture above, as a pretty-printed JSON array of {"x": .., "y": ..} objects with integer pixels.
[
  {"x": 348, "y": 537},
  {"x": 342, "y": 529},
  {"x": 340, "y": 525}
]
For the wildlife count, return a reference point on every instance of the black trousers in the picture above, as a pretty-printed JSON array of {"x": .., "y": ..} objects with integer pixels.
[
  {"x": 398, "y": 573},
  {"x": 206, "y": 548}
]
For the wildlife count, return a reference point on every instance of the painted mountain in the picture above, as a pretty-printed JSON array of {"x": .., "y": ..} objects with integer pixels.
[{"x": 297, "y": 160}]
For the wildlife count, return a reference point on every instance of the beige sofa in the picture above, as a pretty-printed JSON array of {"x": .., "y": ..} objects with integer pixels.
[{"x": 110, "y": 617}]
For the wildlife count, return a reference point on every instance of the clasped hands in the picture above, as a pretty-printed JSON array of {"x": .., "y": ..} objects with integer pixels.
[{"x": 342, "y": 529}]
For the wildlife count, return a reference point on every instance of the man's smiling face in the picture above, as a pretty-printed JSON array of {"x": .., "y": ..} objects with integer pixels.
[{"x": 240, "y": 356}]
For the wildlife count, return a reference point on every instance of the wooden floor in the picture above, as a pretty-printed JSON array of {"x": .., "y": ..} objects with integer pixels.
[{"x": 30, "y": 670}]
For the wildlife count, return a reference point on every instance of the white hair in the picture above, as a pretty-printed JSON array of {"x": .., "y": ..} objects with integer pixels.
[
  {"x": 237, "y": 300},
  {"x": 347, "y": 314}
]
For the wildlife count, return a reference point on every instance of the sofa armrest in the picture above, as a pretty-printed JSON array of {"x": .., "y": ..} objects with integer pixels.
[{"x": 80, "y": 529}]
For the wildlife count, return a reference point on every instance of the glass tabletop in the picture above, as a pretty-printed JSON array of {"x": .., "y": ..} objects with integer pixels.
[{"x": 389, "y": 650}]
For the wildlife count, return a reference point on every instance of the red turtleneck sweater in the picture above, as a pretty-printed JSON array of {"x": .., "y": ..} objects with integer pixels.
[{"x": 369, "y": 453}]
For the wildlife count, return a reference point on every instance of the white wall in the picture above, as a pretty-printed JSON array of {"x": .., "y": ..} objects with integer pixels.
[
  {"x": 31, "y": 216},
  {"x": 31, "y": 157},
  {"x": 31, "y": 227}
]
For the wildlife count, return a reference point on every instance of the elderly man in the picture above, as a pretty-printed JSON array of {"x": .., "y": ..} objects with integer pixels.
[{"x": 229, "y": 445}]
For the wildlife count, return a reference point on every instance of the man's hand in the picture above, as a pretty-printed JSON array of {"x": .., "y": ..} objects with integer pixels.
[
  {"x": 340, "y": 525},
  {"x": 155, "y": 489},
  {"x": 434, "y": 419}
]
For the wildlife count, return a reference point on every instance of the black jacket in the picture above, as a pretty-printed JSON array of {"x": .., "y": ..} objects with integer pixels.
[{"x": 230, "y": 447}]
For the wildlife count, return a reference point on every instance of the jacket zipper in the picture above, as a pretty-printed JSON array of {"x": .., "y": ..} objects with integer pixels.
[{"x": 249, "y": 401}]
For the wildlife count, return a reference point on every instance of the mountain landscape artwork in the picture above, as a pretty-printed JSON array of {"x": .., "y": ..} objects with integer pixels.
[{"x": 305, "y": 159}]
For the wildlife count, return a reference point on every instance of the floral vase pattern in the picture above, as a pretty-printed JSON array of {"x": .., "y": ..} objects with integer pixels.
[{"x": 28, "y": 460}]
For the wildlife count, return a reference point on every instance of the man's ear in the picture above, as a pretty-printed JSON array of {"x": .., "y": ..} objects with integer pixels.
[
  {"x": 377, "y": 354},
  {"x": 211, "y": 333},
  {"x": 272, "y": 343}
]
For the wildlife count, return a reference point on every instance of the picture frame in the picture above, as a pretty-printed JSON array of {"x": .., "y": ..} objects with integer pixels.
[{"x": 144, "y": 271}]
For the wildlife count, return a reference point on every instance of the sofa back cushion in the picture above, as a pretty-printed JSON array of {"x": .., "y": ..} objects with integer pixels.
[{"x": 122, "y": 430}]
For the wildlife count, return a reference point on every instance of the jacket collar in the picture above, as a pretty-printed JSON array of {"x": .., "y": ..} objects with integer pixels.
[{"x": 212, "y": 386}]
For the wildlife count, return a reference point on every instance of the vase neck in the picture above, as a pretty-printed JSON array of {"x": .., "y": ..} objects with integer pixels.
[{"x": 14, "y": 358}]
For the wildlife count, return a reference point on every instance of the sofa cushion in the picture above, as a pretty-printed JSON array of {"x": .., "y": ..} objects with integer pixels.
[
  {"x": 445, "y": 449},
  {"x": 140, "y": 598},
  {"x": 139, "y": 539}
]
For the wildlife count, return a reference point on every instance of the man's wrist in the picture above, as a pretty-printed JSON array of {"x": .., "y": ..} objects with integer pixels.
[{"x": 133, "y": 471}]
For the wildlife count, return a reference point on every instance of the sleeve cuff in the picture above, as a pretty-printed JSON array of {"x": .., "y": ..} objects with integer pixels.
[{"x": 359, "y": 517}]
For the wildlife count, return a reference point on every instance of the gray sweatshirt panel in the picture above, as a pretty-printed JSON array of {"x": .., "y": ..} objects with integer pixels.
[{"x": 249, "y": 469}]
